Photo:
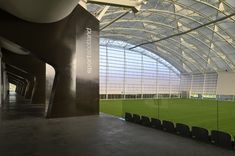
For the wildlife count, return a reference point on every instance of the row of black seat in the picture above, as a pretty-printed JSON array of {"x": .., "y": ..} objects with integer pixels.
[{"x": 218, "y": 138}]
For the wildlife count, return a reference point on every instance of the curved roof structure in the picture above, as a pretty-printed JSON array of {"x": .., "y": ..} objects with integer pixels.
[
  {"x": 195, "y": 36},
  {"x": 118, "y": 45}
]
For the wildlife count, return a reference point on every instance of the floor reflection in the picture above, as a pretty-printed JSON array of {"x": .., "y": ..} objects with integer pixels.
[{"x": 17, "y": 107}]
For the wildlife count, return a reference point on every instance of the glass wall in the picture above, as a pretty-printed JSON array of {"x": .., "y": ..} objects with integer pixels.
[
  {"x": 126, "y": 74},
  {"x": 200, "y": 86},
  {"x": 140, "y": 82},
  {"x": 204, "y": 113}
]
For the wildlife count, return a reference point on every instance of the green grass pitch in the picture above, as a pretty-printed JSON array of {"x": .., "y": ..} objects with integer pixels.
[{"x": 209, "y": 114}]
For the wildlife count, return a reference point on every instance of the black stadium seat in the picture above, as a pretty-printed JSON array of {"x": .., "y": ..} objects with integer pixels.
[
  {"x": 145, "y": 121},
  {"x": 221, "y": 139},
  {"x": 183, "y": 130},
  {"x": 128, "y": 117},
  {"x": 200, "y": 134},
  {"x": 136, "y": 119},
  {"x": 168, "y": 126},
  {"x": 156, "y": 123}
]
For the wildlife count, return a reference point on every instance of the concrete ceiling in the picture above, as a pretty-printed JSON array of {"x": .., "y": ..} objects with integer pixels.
[
  {"x": 39, "y": 11},
  {"x": 4, "y": 43}
]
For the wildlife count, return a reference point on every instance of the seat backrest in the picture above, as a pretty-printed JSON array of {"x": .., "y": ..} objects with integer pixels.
[
  {"x": 128, "y": 117},
  {"x": 221, "y": 139},
  {"x": 200, "y": 134},
  {"x": 168, "y": 126},
  {"x": 145, "y": 121},
  {"x": 136, "y": 119},
  {"x": 183, "y": 130},
  {"x": 156, "y": 123}
]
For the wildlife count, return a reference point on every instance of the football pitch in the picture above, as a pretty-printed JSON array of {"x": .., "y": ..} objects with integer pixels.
[{"x": 209, "y": 114}]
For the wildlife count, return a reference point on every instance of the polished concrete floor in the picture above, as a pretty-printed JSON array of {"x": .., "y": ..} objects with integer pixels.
[
  {"x": 16, "y": 107},
  {"x": 94, "y": 136},
  {"x": 25, "y": 134}
]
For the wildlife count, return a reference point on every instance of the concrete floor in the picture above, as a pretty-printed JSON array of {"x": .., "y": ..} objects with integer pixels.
[
  {"x": 24, "y": 132},
  {"x": 94, "y": 136},
  {"x": 17, "y": 108}
]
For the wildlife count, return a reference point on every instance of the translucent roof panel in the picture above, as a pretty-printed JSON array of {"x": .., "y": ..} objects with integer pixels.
[
  {"x": 210, "y": 48},
  {"x": 124, "y": 45}
]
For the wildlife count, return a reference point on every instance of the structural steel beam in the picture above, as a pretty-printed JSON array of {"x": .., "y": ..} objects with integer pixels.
[
  {"x": 102, "y": 13},
  {"x": 135, "y": 5},
  {"x": 185, "y": 32}
]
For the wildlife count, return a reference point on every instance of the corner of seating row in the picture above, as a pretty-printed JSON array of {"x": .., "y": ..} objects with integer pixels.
[{"x": 215, "y": 137}]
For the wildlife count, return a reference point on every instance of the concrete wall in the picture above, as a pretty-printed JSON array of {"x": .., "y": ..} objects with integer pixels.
[
  {"x": 34, "y": 67},
  {"x": 1, "y": 88},
  {"x": 4, "y": 84},
  {"x": 50, "y": 75},
  {"x": 71, "y": 47}
]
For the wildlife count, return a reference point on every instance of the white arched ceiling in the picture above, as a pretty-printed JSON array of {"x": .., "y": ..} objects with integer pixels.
[{"x": 207, "y": 49}]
